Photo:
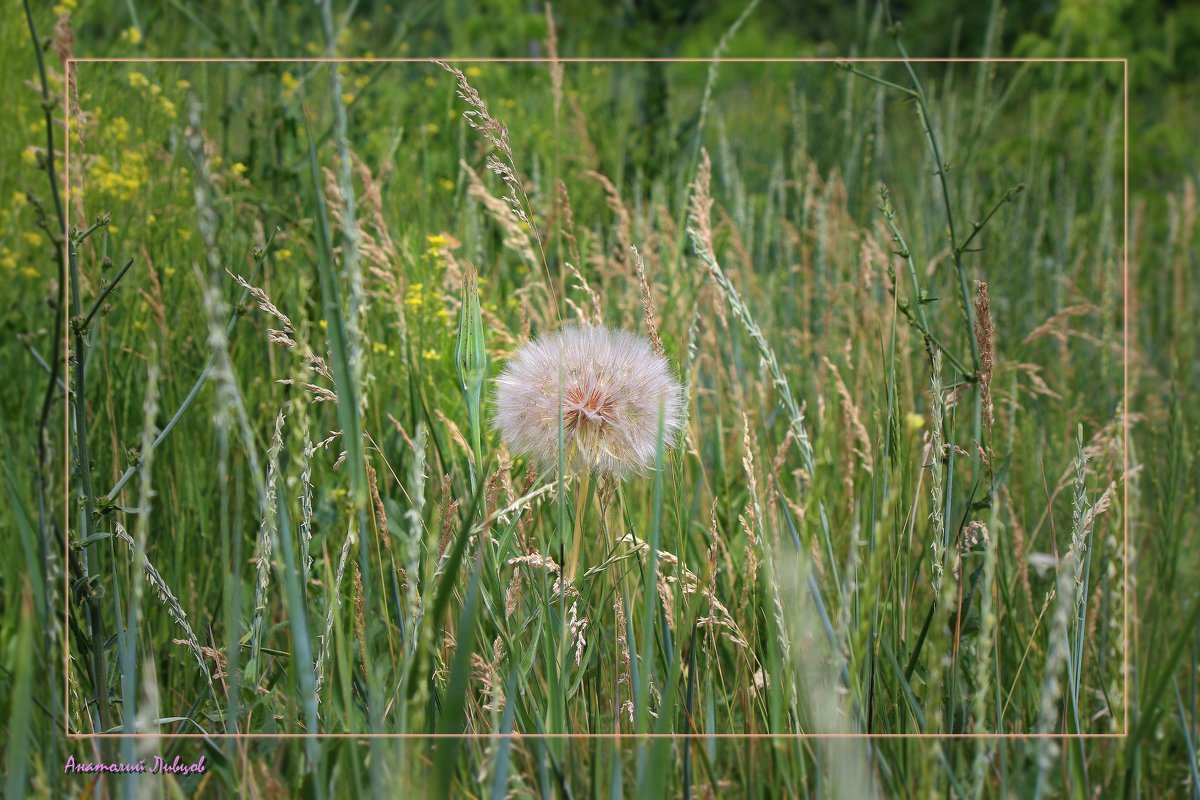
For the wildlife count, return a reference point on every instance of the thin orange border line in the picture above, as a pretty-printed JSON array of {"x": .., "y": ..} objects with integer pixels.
[
  {"x": 598, "y": 60},
  {"x": 70, "y": 78}
]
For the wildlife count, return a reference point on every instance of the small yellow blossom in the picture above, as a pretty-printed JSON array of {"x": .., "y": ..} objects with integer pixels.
[
  {"x": 119, "y": 127},
  {"x": 436, "y": 241},
  {"x": 169, "y": 271},
  {"x": 185, "y": 234},
  {"x": 379, "y": 347},
  {"x": 347, "y": 97},
  {"x": 19, "y": 199},
  {"x": 443, "y": 314},
  {"x": 413, "y": 298},
  {"x": 239, "y": 168},
  {"x": 60, "y": 9},
  {"x": 151, "y": 219},
  {"x": 8, "y": 262},
  {"x": 30, "y": 272},
  {"x": 431, "y": 129},
  {"x": 29, "y": 156},
  {"x": 138, "y": 81},
  {"x": 473, "y": 72},
  {"x": 168, "y": 108},
  {"x": 290, "y": 84},
  {"x": 914, "y": 421},
  {"x": 447, "y": 184},
  {"x": 284, "y": 254},
  {"x": 323, "y": 324},
  {"x": 430, "y": 355},
  {"x": 155, "y": 89},
  {"x": 183, "y": 85},
  {"x": 32, "y": 238},
  {"x": 132, "y": 35}
]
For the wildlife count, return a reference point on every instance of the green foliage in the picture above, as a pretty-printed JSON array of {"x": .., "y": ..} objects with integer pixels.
[{"x": 353, "y": 549}]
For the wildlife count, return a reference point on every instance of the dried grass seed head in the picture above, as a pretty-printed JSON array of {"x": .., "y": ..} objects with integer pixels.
[{"x": 612, "y": 387}]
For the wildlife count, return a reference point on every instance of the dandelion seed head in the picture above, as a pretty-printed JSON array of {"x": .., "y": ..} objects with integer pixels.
[{"x": 607, "y": 387}]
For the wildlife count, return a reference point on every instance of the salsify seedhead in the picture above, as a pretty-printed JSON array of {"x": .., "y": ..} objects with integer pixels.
[{"x": 612, "y": 387}]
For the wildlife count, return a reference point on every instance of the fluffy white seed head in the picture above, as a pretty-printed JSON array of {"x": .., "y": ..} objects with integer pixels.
[{"x": 609, "y": 387}]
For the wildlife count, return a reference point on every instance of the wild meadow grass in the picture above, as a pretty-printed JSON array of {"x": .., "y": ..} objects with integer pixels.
[{"x": 892, "y": 297}]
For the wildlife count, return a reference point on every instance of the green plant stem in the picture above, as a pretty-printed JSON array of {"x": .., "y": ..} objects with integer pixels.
[
  {"x": 927, "y": 123},
  {"x": 126, "y": 476},
  {"x": 91, "y": 560},
  {"x": 104, "y": 294},
  {"x": 46, "y": 529},
  {"x": 978, "y": 226},
  {"x": 919, "y": 320}
]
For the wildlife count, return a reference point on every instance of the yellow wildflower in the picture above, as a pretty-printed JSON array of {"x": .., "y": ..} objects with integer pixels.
[
  {"x": 447, "y": 184},
  {"x": 914, "y": 421},
  {"x": 119, "y": 126},
  {"x": 473, "y": 72},
  {"x": 413, "y": 298},
  {"x": 379, "y": 347},
  {"x": 290, "y": 84},
  {"x": 430, "y": 355},
  {"x": 138, "y": 81},
  {"x": 239, "y": 168},
  {"x": 30, "y": 272},
  {"x": 132, "y": 35},
  {"x": 32, "y": 238}
]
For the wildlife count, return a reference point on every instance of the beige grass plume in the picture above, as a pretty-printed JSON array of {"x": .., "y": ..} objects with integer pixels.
[{"x": 613, "y": 388}]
